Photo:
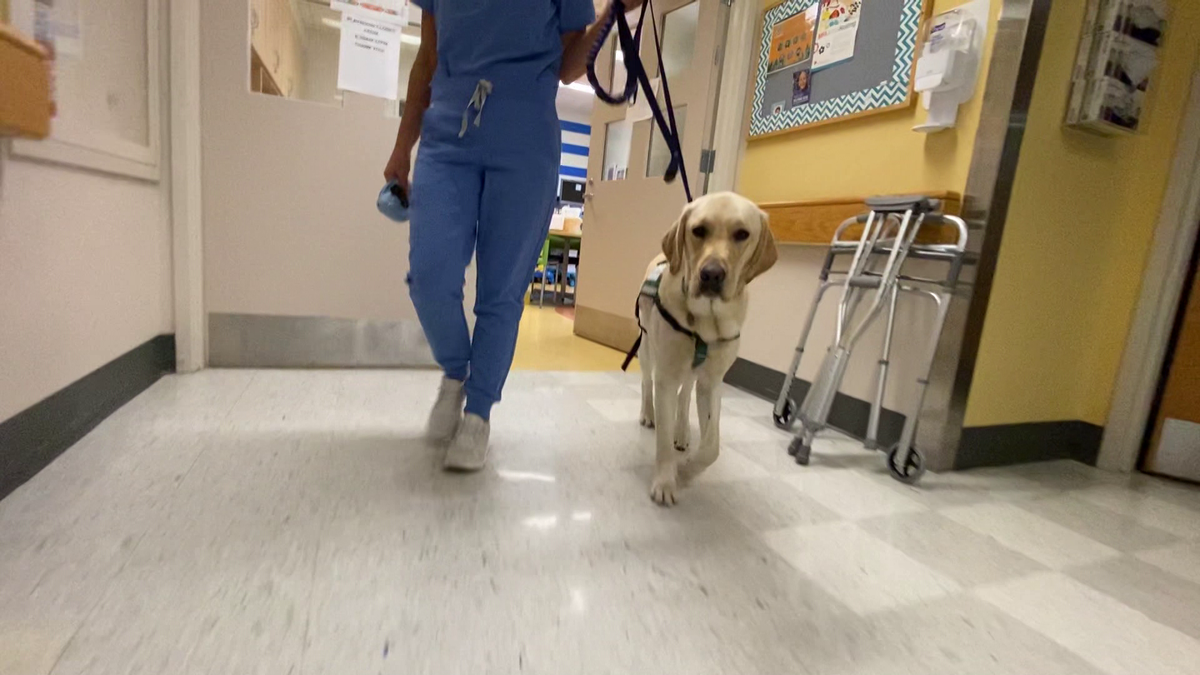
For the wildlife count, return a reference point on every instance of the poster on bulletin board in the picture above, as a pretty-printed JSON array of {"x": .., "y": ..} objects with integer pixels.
[
  {"x": 837, "y": 32},
  {"x": 858, "y": 60}
]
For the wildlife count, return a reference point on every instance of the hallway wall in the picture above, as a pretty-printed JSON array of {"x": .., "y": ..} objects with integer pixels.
[
  {"x": 85, "y": 271},
  {"x": 877, "y": 154},
  {"x": 1083, "y": 213},
  {"x": 290, "y": 225}
]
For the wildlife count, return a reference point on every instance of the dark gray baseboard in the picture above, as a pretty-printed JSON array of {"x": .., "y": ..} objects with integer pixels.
[
  {"x": 998, "y": 445},
  {"x": 849, "y": 414},
  {"x": 1004, "y": 444},
  {"x": 33, "y": 438}
]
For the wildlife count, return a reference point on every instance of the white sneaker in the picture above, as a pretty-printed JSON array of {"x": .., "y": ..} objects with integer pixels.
[
  {"x": 446, "y": 413},
  {"x": 469, "y": 449}
]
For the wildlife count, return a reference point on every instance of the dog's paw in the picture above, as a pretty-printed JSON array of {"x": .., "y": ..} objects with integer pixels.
[
  {"x": 647, "y": 421},
  {"x": 681, "y": 444},
  {"x": 663, "y": 490}
]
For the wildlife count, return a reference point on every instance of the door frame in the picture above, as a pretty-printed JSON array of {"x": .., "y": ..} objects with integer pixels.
[
  {"x": 729, "y": 133},
  {"x": 187, "y": 233},
  {"x": 1158, "y": 303}
]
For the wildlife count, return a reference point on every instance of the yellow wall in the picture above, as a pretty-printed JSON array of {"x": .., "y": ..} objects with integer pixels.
[
  {"x": 877, "y": 154},
  {"x": 1082, "y": 217}
]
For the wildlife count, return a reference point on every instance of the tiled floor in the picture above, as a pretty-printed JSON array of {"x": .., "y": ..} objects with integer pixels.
[{"x": 291, "y": 522}]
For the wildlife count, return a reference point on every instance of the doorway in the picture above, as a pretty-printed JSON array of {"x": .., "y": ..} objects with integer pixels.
[
  {"x": 1172, "y": 446},
  {"x": 627, "y": 205}
]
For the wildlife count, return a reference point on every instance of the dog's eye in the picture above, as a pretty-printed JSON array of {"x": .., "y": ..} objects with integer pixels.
[
  {"x": 700, "y": 231},
  {"x": 741, "y": 235}
]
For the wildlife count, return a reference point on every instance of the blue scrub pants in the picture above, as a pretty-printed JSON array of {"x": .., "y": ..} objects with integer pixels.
[{"x": 490, "y": 192}]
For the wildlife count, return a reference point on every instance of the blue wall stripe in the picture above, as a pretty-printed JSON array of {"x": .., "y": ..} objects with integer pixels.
[
  {"x": 575, "y": 126},
  {"x": 570, "y": 149},
  {"x": 572, "y": 172}
]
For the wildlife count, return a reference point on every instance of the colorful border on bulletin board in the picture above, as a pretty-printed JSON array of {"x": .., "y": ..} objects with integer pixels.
[{"x": 888, "y": 94}]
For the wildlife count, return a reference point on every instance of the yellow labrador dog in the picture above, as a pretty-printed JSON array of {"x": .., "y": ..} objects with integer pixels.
[{"x": 691, "y": 309}]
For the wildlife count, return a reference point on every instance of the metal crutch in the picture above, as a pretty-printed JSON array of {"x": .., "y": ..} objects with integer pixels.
[
  {"x": 814, "y": 412},
  {"x": 784, "y": 413}
]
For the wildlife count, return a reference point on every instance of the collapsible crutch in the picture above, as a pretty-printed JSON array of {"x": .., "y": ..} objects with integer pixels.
[{"x": 876, "y": 272}]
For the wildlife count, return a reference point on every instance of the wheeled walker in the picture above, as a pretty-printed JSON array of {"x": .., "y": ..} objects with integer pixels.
[{"x": 876, "y": 274}]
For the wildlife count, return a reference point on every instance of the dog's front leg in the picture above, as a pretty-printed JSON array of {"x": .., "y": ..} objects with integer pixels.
[
  {"x": 708, "y": 407},
  {"x": 646, "y": 360},
  {"x": 682, "y": 426},
  {"x": 666, "y": 399}
]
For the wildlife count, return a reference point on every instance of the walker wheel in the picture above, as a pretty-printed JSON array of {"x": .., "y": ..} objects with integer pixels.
[
  {"x": 788, "y": 418},
  {"x": 912, "y": 470},
  {"x": 800, "y": 451}
]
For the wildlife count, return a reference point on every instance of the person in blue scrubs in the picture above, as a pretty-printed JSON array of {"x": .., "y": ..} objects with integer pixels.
[{"x": 481, "y": 99}]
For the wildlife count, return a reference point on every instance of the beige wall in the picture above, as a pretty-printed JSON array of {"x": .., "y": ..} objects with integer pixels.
[
  {"x": 1082, "y": 217},
  {"x": 290, "y": 226},
  {"x": 85, "y": 269},
  {"x": 878, "y": 154},
  {"x": 85, "y": 277}
]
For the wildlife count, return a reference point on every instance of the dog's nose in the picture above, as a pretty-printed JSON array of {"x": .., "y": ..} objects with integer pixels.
[{"x": 712, "y": 278}]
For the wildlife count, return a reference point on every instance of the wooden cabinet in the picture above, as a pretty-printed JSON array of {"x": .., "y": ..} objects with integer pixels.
[
  {"x": 25, "y": 103},
  {"x": 276, "y": 44}
]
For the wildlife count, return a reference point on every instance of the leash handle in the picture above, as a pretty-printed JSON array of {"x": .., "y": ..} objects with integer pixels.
[
  {"x": 628, "y": 40},
  {"x": 635, "y": 74}
]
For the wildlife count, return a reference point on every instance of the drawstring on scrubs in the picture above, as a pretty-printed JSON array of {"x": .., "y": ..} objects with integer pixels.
[{"x": 482, "y": 91}]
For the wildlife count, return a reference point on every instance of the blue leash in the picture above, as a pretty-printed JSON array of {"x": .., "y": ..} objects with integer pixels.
[{"x": 635, "y": 75}]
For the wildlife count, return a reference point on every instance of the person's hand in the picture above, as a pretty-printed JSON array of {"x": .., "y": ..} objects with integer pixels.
[{"x": 398, "y": 166}]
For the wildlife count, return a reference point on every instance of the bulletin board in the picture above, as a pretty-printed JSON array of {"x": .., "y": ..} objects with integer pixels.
[
  {"x": 794, "y": 89},
  {"x": 107, "y": 67}
]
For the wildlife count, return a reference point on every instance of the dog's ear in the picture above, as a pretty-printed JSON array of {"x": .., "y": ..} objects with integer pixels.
[
  {"x": 674, "y": 240},
  {"x": 765, "y": 254}
]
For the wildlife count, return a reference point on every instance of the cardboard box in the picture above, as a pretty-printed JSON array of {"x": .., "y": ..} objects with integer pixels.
[{"x": 25, "y": 105}]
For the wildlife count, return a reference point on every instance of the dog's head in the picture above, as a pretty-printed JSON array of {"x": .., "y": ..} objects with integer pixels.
[{"x": 719, "y": 244}]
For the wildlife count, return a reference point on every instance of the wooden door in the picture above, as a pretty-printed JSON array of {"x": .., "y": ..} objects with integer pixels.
[{"x": 627, "y": 206}]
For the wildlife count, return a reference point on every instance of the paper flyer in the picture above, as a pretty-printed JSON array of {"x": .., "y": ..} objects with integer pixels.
[
  {"x": 837, "y": 32},
  {"x": 792, "y": 40},
  {"x": 395, "y": 11},
  {"x": 369, "y": 56},
  {"x": 801, "y": 86}
]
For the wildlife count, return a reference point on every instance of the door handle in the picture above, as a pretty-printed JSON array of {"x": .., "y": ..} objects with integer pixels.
[{"x": 588, "y": 195}]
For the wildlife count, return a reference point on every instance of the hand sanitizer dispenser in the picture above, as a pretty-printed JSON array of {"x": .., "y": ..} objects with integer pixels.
[{"x": 949, "y": 64}]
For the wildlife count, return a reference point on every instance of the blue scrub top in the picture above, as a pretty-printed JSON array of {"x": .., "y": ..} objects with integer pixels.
[{"x": 477, "y": 36}]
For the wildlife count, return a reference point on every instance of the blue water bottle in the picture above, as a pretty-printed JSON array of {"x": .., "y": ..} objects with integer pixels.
[{"x": 393, "y": 202}]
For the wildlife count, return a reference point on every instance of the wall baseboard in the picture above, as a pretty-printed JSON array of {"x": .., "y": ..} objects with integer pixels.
[
  {"x": 265, "y": 341},
  {"x": 999, "y": 445},
  {"x": 849, "y": 414},
  {"x": 1004, "y": 444},
  {"x": 35, "y": 437}
]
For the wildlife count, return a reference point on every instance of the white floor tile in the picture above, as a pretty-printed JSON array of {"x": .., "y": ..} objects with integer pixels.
[
  {"x": 1146, "y": 509},
  {"x": 1096, "y": 627},
  {"x": 852, "y": 495},
  {"x": 296, "y": 523},
  {"x": 1048, "y": 543},
  {"x": 970, "y": 558},
  {"x": 1107, "y": 527},
  {"x": 857, "y": 568},
  {"x": 1182, "y": 560}
]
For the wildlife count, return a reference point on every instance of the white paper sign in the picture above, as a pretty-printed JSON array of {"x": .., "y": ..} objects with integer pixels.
[
  {"x": 837, "y": 32},
  {"x": 369, "y": 59},
  {"x": 395, "y": 11}
]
